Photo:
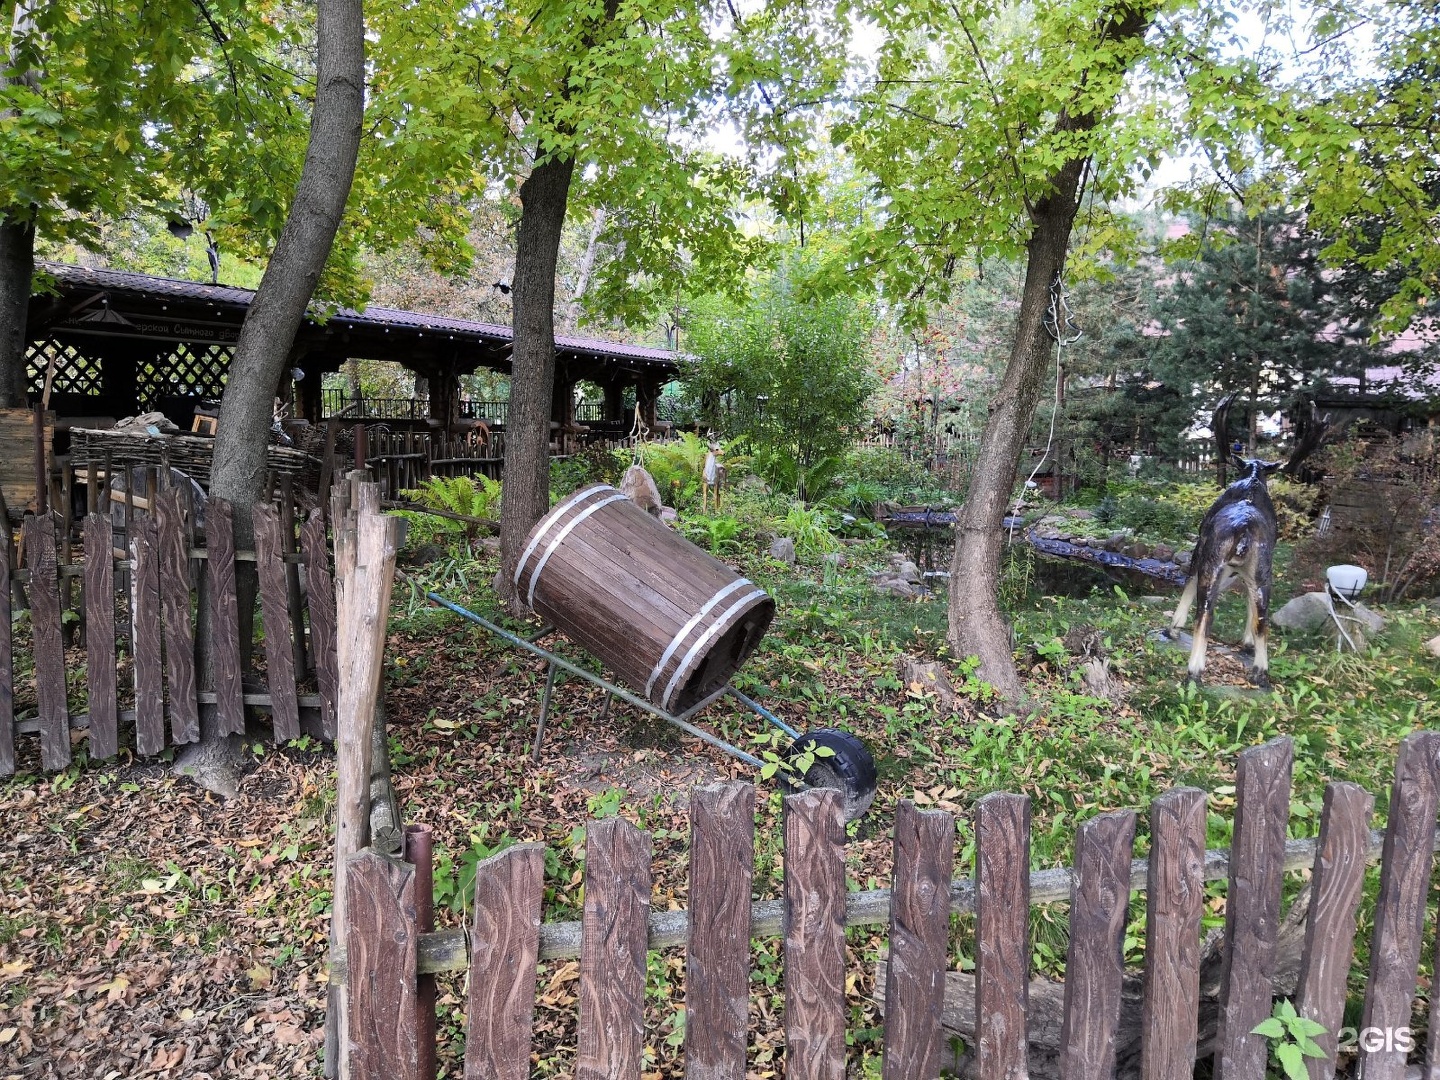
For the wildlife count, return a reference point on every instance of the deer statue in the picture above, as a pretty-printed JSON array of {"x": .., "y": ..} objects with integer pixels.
[
  {"x": 1237, "y": 541},
  {"x": 712, "y": 476}
]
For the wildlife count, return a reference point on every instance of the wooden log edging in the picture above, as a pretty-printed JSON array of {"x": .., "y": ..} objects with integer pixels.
[{"x": 449, "y": 950}]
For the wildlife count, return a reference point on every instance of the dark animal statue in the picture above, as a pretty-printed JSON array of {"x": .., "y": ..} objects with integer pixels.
[{"x": 1237, "y": 542}]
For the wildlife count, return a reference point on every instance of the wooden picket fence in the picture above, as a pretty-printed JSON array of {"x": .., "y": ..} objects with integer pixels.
[
  {"x": 138, "y": 580},
  {"x": 392, "y": 955}
]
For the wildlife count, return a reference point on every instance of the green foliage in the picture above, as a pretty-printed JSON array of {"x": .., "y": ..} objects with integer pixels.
[
  {"x": 809, "y": 528},
  {"x": 473, "y": 496},
  {"x": 1292, "y": 1039},
  {"x": 455, "y": 881},
  {"x": 719, "y": 534},
  {"x": 786, "y": 368}
]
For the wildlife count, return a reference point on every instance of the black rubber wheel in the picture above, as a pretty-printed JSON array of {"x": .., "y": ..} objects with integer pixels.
[{"x": 850, "y": 769}]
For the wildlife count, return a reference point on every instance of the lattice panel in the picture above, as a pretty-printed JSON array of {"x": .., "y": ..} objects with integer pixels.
[
  {"x": 189, "y": 371},
  {"x": 75, "y": 373}
]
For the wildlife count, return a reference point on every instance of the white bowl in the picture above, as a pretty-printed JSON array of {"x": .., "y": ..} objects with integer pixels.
[{"x": 1347, "y": 580}]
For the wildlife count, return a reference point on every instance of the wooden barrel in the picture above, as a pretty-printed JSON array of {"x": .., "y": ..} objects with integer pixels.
[{"x": 670, "y": 620}]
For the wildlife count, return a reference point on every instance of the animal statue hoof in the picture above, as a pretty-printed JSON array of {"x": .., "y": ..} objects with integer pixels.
[
  {"x": 1259, "y": 679},
  {"x": 1192, "y": 680}
]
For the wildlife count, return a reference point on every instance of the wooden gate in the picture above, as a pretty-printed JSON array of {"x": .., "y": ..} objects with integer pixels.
[
  {"x": 137, "y": 603},
  {"x": 391, "y": 953}
]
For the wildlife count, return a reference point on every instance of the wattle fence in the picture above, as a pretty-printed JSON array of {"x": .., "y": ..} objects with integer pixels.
[
  {"x": 1108, "y": 1021},
  {"x": 145, "y": 563}
]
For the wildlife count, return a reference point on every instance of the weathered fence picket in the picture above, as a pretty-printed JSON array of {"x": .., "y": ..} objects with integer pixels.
[
  {"x": 141, "y": 559},
  {"x": 997, "y": 1010}
]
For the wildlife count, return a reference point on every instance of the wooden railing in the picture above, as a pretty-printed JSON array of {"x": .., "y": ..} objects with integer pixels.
[
  {"x": 1158, "y": 1029},
  {"x": 143, "y": 562}
]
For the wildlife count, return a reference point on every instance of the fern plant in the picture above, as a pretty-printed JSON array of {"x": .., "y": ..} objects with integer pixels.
[{"x": 470, "y": 496}]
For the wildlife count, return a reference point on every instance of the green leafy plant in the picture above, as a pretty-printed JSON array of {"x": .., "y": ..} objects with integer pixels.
[
  {"x": 455, "y": 882},
  {"x": 1292, "y": 1039},
  {"x": 772, "y": 745},
  {"x": 808, "y": 529},
  {"x": 718, "y": 533},
  {"x": 472, "y": 496}
]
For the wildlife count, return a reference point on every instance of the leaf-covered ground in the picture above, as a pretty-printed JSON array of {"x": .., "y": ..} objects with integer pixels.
[{"x": 145, "y": 928}]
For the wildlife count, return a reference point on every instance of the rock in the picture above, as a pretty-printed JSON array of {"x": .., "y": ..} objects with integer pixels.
[
  {"x": 425, "y": 554},
  {"x": 1183, "y": 559},
  {"x": 641, "y": 488},
  {"x": 1082, "y": 515},
  {"x": 490, "y": 545},
  {"x": 1163, "y": 552},
  {"x": 894, "y": 586},
  {"x": 782, "y": 548},
  {"x": 1372, "y": 621},
  {"x": 1138, "y": 550},
  {"x": 669, "y": 515},
  {"x": 1155, "y": 601},
  {"x": 1116, "y": 540},
  {"x": 1433, "y": 646},
  {"x": 834, "y": 558},
  {"x": 1308, "y": 611},
  {"x": 908, "y": 571},
  {"x": 928, "y": 678}
]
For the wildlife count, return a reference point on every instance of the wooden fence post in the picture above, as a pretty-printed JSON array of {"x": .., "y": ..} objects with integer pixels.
[
  {"x": 39, "y": 534},
  {"x": 1002, "y": 951},
  {"x": 99, "y": 594},
  {"x": 1175, "y": 899},
  {"x": 1252, "y": 907},
  {"x": 145, "y": 636},
  {"x": 7, "y": 656},
  {"x": 1335, "y": 886},
  {"x": 613, "y": 946},
  {"x": 504, "y": 949},
  {"x": 1094, "y": 964},
  {"x": 365, "y": 565},
  {"x": 381, "y": 937},
  {"x": 419, "y": 852},
  {"x": 174, "y": 558},
  {"x": 224, "y": 615},
  {"x": 814, "y": 935},
  {"x": 919, "y": 943},
  {"x": 717, "y": 955},
  {"x": 274, "y": 607},
  {"x": 1405, "y": 869}
]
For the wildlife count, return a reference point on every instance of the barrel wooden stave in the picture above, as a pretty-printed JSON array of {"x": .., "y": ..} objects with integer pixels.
[{"x": 623, "y": 587}]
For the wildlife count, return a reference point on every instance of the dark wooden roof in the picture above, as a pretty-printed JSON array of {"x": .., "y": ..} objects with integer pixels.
[{"x": 119, "y": 303}]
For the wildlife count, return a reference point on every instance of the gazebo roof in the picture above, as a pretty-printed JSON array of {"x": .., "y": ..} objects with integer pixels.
[{"x": 171, "y": 309}]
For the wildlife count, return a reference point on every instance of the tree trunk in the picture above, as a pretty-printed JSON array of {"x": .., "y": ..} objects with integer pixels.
[
  {"x": 17, "y": 266},
  {"x": 977, "y": 627},
  {"x": 543, "y": 199},
  {"x": 268, "y": 333},
  {"x": 575, "y": 307}
]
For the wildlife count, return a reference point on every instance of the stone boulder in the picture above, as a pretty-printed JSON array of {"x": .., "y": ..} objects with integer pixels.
[
  {"x": 641, "y": 488},
  {"x": 1183, "y": 559},
  {"x": 782, "y": 549},
  {"x": 892, "y": 584},
  {"x": 1308, "y": 611},
  {"x": 1163, "y": 552},
  {"x": 1433, "y": 646}
]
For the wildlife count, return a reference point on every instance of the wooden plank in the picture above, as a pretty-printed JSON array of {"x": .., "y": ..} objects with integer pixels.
[
  {"x": 1252, "y": 907},
  {"x": 279, "y": 658},
  {"x": 100, "y": 675},
  {"x": 1095, "y": 963},
  {"x": 381, "y": 934},
  {"x": 224, "y": 616},
  {"x": 504, "y": 951},
  {"x": 814, "y": 935},
  {"x": 1175, "y": 902},
  {"x": 919, "y": 943},
  {"x": 612, "y": 958},
  {"x": 145, "y": 636},
  {"x": 1336, "y": 883},
  {"x": 320, "y": 594},
  {"x": 175, "y": 616},
  {"x": 1002, "y": 910},
  {"x": 7, "y": 652},
  {"x": 293, "y": 603},
  {"x": 717, "y": 956},
  {"x": 1405, "y": 869},
  {"x": 39, "y": 536}
]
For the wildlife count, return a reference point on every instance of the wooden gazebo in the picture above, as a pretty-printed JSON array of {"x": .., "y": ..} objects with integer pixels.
[{"x": 124, "y": 343}]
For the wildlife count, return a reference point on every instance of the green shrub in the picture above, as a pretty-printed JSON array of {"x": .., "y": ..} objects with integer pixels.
[
  {"x": 808, "y": 528},
  {"x": 472, "y": 496}
]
